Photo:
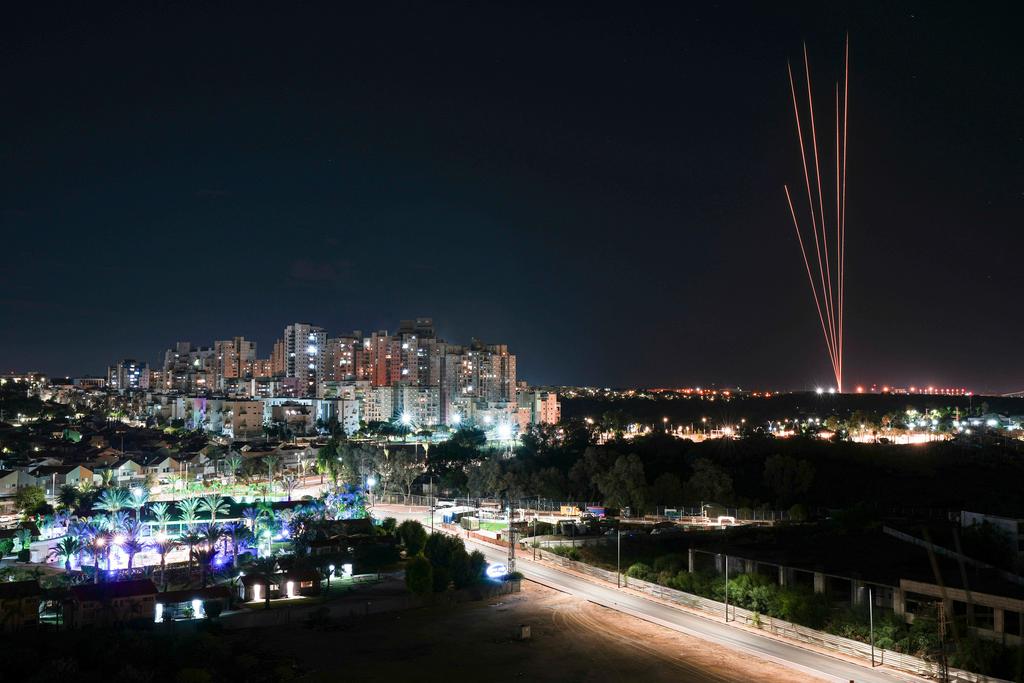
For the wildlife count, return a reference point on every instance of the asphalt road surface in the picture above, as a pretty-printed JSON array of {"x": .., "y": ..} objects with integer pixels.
[{"x": 811, "y": 662}]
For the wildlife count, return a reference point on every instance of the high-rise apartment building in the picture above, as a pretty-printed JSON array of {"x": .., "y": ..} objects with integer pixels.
[
  {"x": 305, "y": 348},
  {"x": 233, "y": 359},
  {"x": 128, "y": 375}
]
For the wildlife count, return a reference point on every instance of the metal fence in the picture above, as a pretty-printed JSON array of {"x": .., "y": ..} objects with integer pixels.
[{"x": 827, "y": 641}]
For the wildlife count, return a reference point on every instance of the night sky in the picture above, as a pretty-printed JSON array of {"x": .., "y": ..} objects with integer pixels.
[{"x": 599, "y": 185}]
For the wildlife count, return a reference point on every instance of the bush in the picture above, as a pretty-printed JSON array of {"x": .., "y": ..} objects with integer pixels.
[
  {"x": 477, "y": 565},
  {"x": 419, "y": 575},
  {"x": 671, "y": 563},
  {"x": 374, "y": 556},
  {"x": 567, "y": 551},
  {"x": 639, "y": 571},
  {"x": 412, "y": 535},
  {"x": 388, "y": 526}
]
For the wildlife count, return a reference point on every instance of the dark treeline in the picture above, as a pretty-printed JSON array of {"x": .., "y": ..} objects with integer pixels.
[
  {"x": 757, "y": 471},
  {"x": 682, "y": 410}
]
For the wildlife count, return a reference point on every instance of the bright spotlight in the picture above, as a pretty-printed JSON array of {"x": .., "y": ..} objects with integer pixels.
[
  {"x": 504, "y": 431},
  {"x": 406, "y": 419},
  {"x": 819, "y": 391},
  {"x": 456, "y": 419},
  {"x": 371, "y": 482}
]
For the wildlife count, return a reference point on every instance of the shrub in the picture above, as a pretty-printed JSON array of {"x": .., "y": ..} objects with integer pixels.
[
  {"x": 672, "y": 563},
  {"x": 567, "y": 551},
  {"x": 388, "y": 525},
  {"x": 412, "y": 535},
  {"x": 441, "y": 579},
  {"x": 639, "y": 571},
  {"x": 419, "y": 575}
]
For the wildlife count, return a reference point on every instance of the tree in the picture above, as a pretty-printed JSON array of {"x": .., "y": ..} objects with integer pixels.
[
  {"x": 233, "y": 463},
  {"x": 68, "y": 497},
  {"x": 271, "y": 462},
  {"x": 138, "y": 499},
  {"x": 412, "y": 535},
  {"x": 290, "y": 481},
  {"x": 786, "y": 477},
  {"x": 164, "y": 545},
  {"x": 709, "y": 482},
  {"x": 162, "y": 512},
  {"x": 66, "y": 548},
  {"x": 214, "y": 505},
  {"x": 131, "y": 541},
  {"x": 667, "y": 490},
  {"x": 404, "y": 469},
  {"x": 419, "y": 575},
  {"x": 111, "y": 500},
  {"x": 188, "y": 511},
  {"x": 190, "y": 539},
  {"x": 624, "y": 484},
  {"x": 30, "y": 499}
]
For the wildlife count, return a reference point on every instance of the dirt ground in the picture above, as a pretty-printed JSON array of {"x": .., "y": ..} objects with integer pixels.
[{"x": 572, "y": 640}]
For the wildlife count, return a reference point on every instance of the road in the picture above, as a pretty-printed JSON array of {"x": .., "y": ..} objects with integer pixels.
[{"x": 809, "y": 661}]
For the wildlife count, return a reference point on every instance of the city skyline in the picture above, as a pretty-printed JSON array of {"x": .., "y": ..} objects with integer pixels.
[{"x": 601, "y": 190}]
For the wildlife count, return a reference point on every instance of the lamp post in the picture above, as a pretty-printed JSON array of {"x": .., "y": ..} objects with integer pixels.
[
  {"x": 727, "y": 589},
  {"x": 871, "y": 624},
  {"x": 618, "y": 554},
  {"x": 330, "y": 571}
]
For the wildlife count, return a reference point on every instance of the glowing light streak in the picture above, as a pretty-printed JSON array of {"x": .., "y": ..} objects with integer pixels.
[{"x": 829, "y": 292}]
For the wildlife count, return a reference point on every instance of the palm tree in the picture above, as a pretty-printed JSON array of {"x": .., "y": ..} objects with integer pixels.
[
  {"x": 80, "y": 531},
  {"x": 68, "y": 497},
  {"x": 189, "y": 511},
  {"x": 162, "y": 513},
  {"x": 164, "y": 545},
  {"x": 191, "y": 539},
  {"x": 290, "y": 482},
  {"x": 232, "y": 530},
  {"x": 252, "y": 517},
  {"x": 66, "y": 548},
  {"x": 204, "y": 556},
  {"x": 85, "y": 486},
  {"x": 213, "y": 504},
  {"x": 97, "y": 539},
  {"x": 117, "y": 521},
  {"x": 111, "y": 500},
  {"x": 234, "y": 463},
  {"x": 138, "y": 500},
  {"x": 131, "y": 541},
  {"x": 271, "y": 461}
]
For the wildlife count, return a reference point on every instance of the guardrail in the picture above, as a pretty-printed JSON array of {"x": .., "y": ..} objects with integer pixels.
[{"x": 839, "y": 644}]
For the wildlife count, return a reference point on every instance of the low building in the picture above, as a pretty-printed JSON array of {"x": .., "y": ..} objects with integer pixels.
[
  {"x": 106, "y": 604},
  {"x": 195, "y": 603},
  {"x": 52, "y": 477}
]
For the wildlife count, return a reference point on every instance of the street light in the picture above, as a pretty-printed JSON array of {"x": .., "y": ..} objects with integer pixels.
[
  {"x": 330, "y": 571},
  {"x": 618, "y": 554}
]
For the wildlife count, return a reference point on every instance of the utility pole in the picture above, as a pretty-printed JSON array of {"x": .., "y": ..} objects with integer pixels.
[
  {"x": 727, "y": 589},
  {"x": 871, "y": 624},
  {"x": 535, "y": 541},
  {"x": 618, "y": 555},
  {"x": 511, "y": 566}
]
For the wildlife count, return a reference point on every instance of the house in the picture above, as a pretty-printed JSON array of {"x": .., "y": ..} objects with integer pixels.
[
  {"x": 52, "y": 477},
  {"x": 194, "y": 603},
  {"x": 105, "y": 604},
  {"x": 254, "y": 587},
  {"x": 301, "y": 581},
  {"x": 162, "y": 467},
  {"x": 125, "y": 471},
  {"x": 19, "y": 604},
  {"x": 12, "y": 480}
]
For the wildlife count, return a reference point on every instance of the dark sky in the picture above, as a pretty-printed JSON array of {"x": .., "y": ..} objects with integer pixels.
[{"x": 599, "y": 185}]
